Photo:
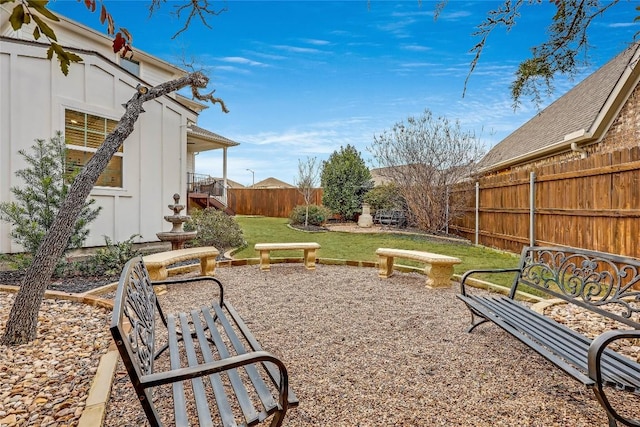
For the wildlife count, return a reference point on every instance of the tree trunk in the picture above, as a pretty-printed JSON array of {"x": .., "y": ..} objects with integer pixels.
[{"x": 23, "y": 318}]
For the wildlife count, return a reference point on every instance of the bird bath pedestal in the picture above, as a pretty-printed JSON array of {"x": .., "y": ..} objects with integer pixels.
[{"x": 177, "y": 236}]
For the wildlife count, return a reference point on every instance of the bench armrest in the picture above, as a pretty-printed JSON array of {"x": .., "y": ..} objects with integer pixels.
[
  {"x": 463, "y": 290},
  {"x": 594, "y": 357},
  {"x": 599, "y": 345},
  {"x": 187, "y": 373}
]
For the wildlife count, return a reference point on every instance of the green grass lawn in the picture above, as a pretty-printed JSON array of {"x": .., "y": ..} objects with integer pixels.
[{"x": 362, "y": 247}]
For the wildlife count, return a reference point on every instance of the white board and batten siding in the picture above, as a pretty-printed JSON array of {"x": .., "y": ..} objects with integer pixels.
[{"x": 33, "y": 97}]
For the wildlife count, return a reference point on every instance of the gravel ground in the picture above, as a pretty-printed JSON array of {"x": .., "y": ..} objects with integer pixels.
[
  {"x": 45, "y": 382},
  {"x": 363, "y": 351}
]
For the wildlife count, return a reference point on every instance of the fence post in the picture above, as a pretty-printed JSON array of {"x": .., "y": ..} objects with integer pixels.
[
  {"x": 477, "y": 212},
  {"x": 446, "y": 212},
  {"x": 532, "y": 209}
]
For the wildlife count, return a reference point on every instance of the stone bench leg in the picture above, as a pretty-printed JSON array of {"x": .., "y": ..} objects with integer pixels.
[
  {"x": 310, "y": 259},
  {"x": 385, "y": 266},
  {"x": 158, "y": 273},
  {"x": 438, "y": 275},
  {"x": 208, "y": 266},
  {"x": 264, "y": 261}
]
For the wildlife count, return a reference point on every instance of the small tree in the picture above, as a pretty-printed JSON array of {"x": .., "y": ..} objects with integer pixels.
[
  {"x": 307, "y": 181},
  {"x": 424, "y": 157},
  {"x": 46, "y": 184},
  {"x": 345, "y": 179}
]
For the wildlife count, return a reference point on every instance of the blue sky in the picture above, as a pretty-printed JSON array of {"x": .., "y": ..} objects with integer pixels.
[{"x": 303, "y": 78}]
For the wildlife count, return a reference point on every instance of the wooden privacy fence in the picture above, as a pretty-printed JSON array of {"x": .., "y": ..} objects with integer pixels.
[
  {"x": 591, "y": 203},
  {"x": 273, "y": 202}
]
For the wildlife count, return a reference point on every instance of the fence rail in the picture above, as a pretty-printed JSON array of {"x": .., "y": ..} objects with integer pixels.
[{"x": 591, "y": 203}]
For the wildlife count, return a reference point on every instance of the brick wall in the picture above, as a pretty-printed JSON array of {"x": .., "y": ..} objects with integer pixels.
[{"x": 625, "y": 131}]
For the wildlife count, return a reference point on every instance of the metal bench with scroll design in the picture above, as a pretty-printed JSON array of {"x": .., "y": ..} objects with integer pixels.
[
  {"x": 213, "y": 357},
  {"x": 605, "y": 284}
]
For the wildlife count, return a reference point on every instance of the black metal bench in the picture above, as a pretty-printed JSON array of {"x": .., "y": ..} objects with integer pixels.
[
  {"x": 212, "y": 354},
  {"x": 393, "y": 217},
  {"x": 602, "y": 283}
]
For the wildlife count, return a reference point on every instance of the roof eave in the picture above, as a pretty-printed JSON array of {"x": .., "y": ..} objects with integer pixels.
[
  {"x": 579, "y": 137},
  {"x": 621, "y": 92}
]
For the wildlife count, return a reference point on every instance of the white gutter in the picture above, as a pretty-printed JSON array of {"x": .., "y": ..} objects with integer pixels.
[{"x": 566, "y": 143}]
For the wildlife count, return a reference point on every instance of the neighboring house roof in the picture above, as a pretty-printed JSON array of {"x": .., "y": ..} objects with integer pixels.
[
  {"x": 230, "y": 183},
  {"x": 200, "y": 139},
  {"x": 580, "y": 116},
  {"x": 272, "y": 183}
]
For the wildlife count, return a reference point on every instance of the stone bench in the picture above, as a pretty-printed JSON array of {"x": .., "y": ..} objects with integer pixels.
[
  {"x": 309, "y": 249},
  {"x": 157, "y": 263},
  {"x": 439, "y": 268}
]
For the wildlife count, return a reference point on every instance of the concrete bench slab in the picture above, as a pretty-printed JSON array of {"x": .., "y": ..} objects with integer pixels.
[
  {"x": 309, "y": 249},
  {"x": 157, "y": 263},
  {"x": 439, "y": 268}
]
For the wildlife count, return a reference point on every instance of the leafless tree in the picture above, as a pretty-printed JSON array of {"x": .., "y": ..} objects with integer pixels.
[
  {"x": 307, "y": 181},
  {"x": 424, "y": 156}
]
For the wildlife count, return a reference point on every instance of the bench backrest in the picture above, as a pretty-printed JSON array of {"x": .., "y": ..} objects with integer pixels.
[
  {"x": 133, "y": 324},
  {"x": 605, "y": 283}
]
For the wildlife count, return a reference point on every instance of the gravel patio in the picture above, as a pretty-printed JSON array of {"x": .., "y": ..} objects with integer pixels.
[{"x": 364, "y": 351}]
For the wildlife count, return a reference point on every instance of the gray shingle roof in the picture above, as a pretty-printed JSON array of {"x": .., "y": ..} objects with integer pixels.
[
  {"x": 576, "y": 111},
  {"x": 211, "y": 135}
]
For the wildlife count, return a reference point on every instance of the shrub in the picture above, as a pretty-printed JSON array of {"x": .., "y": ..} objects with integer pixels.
[
  {"x": 318, "y": 215},
  {"x": 385, "y": 196},
  {"x": 215, "y": 228},
  {"x": 110, "y": 260}
]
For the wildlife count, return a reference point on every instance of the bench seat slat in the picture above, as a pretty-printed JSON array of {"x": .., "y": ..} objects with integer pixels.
[
  {"x": 179, "y": 403},
  {"x": 617, "y": 370},
  {"x": 273, "y": 371},
  {"x": 517, "y": 333},
  {"x": 251, "y": 414},
  {"x": 550, "y": 334},
  {"x": 266, "y": 398},
  {"x": 202, "y": 406},
  {"x": 222, "y": 400}
]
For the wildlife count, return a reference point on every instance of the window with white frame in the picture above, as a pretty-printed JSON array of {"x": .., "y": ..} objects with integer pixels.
[
  {"x": 131, "y": 66},
  {"x": 84, "y": 133}
]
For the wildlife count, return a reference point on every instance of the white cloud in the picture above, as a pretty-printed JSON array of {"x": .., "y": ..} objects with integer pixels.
[
  {"x": 296, "y": 49},
  {"x": 415, "y": 48},
  {"x": 241, "y": 60},
  {"x": 317, "y": 42}
]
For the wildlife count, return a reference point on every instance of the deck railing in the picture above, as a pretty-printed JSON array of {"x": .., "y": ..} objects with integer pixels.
[{"x": 205, "y": 184}]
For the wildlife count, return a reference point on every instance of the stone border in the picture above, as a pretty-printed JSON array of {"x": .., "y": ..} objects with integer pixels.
[{"x": 94, "y": 412}]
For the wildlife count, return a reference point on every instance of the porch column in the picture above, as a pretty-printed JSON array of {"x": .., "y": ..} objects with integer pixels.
[{"x": 224, "y": 174}]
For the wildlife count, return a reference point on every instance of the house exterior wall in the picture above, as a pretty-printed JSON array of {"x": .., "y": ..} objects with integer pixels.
[
  {"x": 625, "y": 130},
  {"x": 33, "y": 97}
]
